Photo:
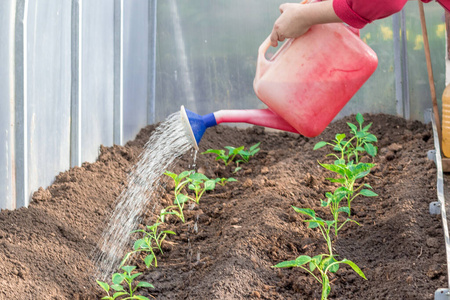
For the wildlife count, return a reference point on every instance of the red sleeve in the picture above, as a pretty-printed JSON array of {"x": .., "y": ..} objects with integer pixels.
[{"x": 358, "y": 13}]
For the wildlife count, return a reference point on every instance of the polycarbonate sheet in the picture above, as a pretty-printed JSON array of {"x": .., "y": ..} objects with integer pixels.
[
  {"x": 419, "y": 87},
  {"x": 48, "y": 90},
  {"x": 207, "y": 54},
  {"x": 377, "y": 95},
  {"x": 7, "y": 104},
  {"x": 135, "y": 66},
  {"x": 97, "y": 77}
]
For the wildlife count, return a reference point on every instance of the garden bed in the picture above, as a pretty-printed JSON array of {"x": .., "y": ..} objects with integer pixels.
[{"x": 226, "y": 248}]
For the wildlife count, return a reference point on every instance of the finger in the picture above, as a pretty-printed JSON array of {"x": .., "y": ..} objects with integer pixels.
[
  {"x": 282, "y": 7},
  {"x": 274, "y": 38}
]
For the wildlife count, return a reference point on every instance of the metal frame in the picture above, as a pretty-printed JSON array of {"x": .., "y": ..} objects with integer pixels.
[
  {"x": 20, "y": 95},
  {"x": 152, "y": 25},
  {"x": 118, "y": 72},
  {"x": 75, "y": 104}
]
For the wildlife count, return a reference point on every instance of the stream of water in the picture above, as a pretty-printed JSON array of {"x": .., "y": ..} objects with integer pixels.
[{"x": 167, "y": 143}]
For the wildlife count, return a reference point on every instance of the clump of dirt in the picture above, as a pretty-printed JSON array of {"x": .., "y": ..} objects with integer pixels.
[{"x": 231, "y": 239}]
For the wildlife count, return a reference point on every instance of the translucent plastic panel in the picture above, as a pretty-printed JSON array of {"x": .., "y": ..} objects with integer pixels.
[
  {"x": 97, "y": 77},
  {"x": 207, "y": 56},
  {"x": 6, "y": 106},
  {"x": 48, "y": 90},
  {"x": 419, "y": 87},
  {"x": 135, "y": 60},
  {"x": 377, "y": 95}
]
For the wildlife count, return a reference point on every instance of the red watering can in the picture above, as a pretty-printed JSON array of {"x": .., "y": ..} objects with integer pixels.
[{"x": 305, "y": 84}]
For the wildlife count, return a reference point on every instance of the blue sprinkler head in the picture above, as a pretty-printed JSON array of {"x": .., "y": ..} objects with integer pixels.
[{"x": 195, "y": 125}]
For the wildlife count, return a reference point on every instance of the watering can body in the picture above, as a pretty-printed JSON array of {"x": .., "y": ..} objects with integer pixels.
[
  {"x": 305, "y": 84},
  {"x": 311, "y": 78}
]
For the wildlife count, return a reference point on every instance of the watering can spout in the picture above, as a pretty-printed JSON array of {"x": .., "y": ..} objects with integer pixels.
[{"x": 195, "y": 125}]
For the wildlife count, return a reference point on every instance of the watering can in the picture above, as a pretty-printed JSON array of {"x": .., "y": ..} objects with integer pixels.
[{"x": 304, "y": 85}]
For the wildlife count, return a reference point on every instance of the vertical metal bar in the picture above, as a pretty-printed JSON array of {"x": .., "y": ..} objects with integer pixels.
[
  {"x": 151, "y": 99},
  {"x": 406, "y": 102},
  {"x": 75, "y": 104},
  {"x": 397, "y": 65},
  {"x": 20, "y": 94},
  {"x": 118, "y": 72}
]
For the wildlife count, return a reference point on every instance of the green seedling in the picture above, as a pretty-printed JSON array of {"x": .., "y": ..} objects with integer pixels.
[
  {"x": 199, "y": 184},
  {"x": 324, "y": 264},
  {"x": 151, "y": 240},
  {"x": 246, "y": 155},
  {"x": 180, "y": 180},
  {"x": 361, "y": 141},
  {"x": 348, "y": 174},
  {"x": 223, "y": 156},
  {"x": 222, "y": 181},
  {"x": 122, "y": 293}
]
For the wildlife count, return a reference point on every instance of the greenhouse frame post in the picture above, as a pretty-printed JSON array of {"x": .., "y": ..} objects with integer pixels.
[
  {"x": 404, "y": 60},
  {"x": 397, "y": 65},
  {"x": 75, "y": 102},
  {"x": 118, "y": 72},
  {"x": 152, "y": 24},
  {"x": 20, "y": 96}
]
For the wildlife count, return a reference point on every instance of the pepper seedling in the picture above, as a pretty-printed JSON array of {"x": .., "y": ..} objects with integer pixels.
[
  {"x": 223, "y": 156},
  {"x": 324, "y": 264},
  {"x": 128, "y": 278}
]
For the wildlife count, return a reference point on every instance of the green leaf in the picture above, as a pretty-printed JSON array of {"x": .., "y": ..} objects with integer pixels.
[
  {"x": 214, "y": 151},
  {"x": 359, "y": 118},
  {"x": 237, "y": 169},
  {"x": 319, "y": 145},
  {"x": 117, "y": 278},
  {"x": 326, "y": 288},
  {"x": 117, "y": 287},
  {"x": 198, "y": 176},
  {"x": 145, "y": 284},
  {"x": 354, "y": 267},
  {"x": 352, "y": 127},
  {"x": 139, "y": 297},
  {"x": 118, "y": 294},
  {"x": 170, "y": 174},
  {"x": 368, "y": 193},
  {"x": 344, "y": 209},
  {"x": 254, "y": 146},
  {"x": 306, "y": 211},
  {"x": 132, "y": 277},
  {"x": 286, "y": 264},
  {"x": 370, "y": 149},
  {"x": 104, "y": 285},
  {"x": 315, "y": 261},
  {"x": 340, "y": 137},
  {"x": 128, "y": 269},
  {"x": 169, "y": 232},
  {"x": 184, "y": 174},
  {"x": 231, "y": 179},
  {"x": 138, "y": 244},
  {"x": 368, "y": 185},
  {"x": 181, "y": 198},
  {"x": 148, "y": 260},
  {"x": 371, "y": 138},
  {"x": 302, "y": 259},
  {"x": 210, "y": 185}
]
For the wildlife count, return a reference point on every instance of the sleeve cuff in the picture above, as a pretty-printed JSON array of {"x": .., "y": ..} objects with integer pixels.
[{"x": 348, "y": 15}]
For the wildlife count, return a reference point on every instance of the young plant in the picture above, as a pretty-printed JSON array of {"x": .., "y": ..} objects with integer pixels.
[
  {"x": 348, "y": 174},
  {"x": 362, "y": 141},
  {"x": 222, "y": 181},
  {"x": 180, "y": 180},
  {"x": 131, "y": 286},
  {"x": 246, "y": 155},
  {"x": 223, "y": 156},
  {"x": 199, "y": 184},
  {"x": 324, "y": 264},
  {"x": 151, "y": 240}
]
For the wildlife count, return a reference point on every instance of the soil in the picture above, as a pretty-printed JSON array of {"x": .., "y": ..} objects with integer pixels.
[{"x": 231, "y": 239}]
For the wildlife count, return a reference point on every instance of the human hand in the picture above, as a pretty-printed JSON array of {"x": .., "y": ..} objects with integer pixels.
[{"x": 292, "y": 23}]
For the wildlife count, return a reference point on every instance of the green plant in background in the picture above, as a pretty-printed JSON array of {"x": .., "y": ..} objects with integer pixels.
[
  {"x": 223, "y": 156},
  {"x": 128, "y": 278},
  {"x": 244, "y": 155},
  {"x": 222, "y": 181},
  {"x": 199, "y": 184},
  {"x": 324, "y": 264}
]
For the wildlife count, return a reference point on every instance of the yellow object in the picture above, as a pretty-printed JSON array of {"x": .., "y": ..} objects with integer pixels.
[{"x": 446, "y": 121}]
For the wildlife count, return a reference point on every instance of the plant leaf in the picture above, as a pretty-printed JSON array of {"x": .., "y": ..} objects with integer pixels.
[
  {"x": 117, "y": 287},
  {"x": 306, "y": 211},
  {"x": 352, "y": 127},
  {"x": 139, "y": 297},
  {"x": 319, "y": 145},
  {"x": 344, "y": 209},
  {"x": 359, "y": 118},
  {"x": 118, "y": 294},
  {"x": 210, "y": 185},
  {"x": 128, "y": 269},
  {"x": 117, "y": 278},
  {"x": 370, "y": 149},
  {"x": 181, "y": 198},
  {"x": 286, "y": 264},
  {"x": 145, "y": 284},
  {"x": 368, "y": 193},
  {"x": 354, "y": 267},
  {"x": 104, "y": 285},
  {"x": 148, "y": 260}
]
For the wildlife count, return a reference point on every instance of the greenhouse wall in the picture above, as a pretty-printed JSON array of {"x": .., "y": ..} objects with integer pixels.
[{"x": 78, "y": 74}]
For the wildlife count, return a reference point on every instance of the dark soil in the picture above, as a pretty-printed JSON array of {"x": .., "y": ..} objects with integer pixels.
[{"x": 226, "y": 248}]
